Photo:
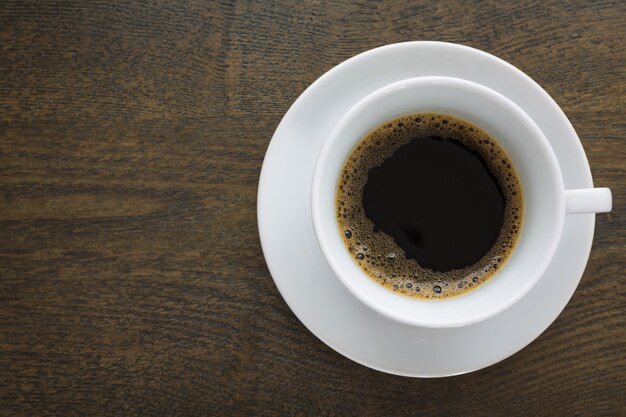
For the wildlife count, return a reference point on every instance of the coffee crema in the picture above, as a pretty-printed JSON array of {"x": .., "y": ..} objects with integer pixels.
[{"x": 429, "y": 205}]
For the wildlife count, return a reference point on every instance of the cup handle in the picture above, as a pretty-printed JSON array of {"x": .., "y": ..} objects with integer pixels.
[{"x": 588, "y": 200}]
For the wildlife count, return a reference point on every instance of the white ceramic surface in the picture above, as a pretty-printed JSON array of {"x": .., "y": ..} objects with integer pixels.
[
  {"x": 308, "y": 284},
  {"x": 530, "y": 152}
]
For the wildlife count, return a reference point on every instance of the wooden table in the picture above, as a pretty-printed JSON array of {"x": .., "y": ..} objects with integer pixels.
[{"x": 131, "y": 276}]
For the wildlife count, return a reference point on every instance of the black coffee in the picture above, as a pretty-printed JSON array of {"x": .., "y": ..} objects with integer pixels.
[{"x": 429, "y": 205}]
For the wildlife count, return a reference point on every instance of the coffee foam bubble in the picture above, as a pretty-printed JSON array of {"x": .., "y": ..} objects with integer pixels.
[{"x": 377, "y": 253}]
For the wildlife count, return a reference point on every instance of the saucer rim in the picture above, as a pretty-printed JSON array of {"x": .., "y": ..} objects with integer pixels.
[{"x": 590, "y": 219}]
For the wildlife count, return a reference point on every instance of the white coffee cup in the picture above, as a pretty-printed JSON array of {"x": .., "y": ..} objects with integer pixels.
[{"x": 546, "y": 202}]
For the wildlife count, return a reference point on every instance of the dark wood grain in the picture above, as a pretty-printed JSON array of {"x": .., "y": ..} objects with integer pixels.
[{"x": 131, "y": 139}]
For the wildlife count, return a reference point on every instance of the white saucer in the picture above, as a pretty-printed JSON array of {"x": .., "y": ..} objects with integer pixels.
[{"x": 307, "y": 283}]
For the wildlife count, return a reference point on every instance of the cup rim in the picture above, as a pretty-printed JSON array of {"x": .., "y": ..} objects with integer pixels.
[{"x": 317, "y": 186}]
